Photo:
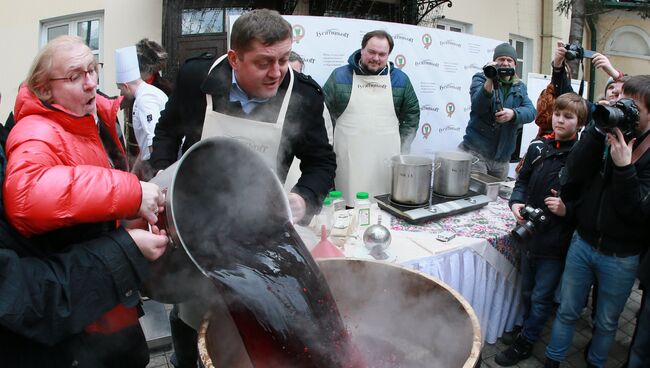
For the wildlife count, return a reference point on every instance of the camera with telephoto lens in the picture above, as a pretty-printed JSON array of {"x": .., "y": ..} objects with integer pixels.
[
  {"x": 575, "y": 51},
  {"x": 623, "y": 114},
  {"x": 534, "y": 217},
  {"x": 493, "y": 71}
]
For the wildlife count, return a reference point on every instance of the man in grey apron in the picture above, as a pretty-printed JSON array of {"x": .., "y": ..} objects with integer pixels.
[
  {"x": 376, "y": 114},
  {"x": 249, "y": 94}
]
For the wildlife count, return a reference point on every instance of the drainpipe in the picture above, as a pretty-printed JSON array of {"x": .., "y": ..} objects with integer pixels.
[{"x": 592, "y": 68}]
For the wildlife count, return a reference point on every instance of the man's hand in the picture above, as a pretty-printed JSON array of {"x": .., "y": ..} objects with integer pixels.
[
  {"x": 601, "y": 61},
  {"x": 516, "y": 210},
  {"x": 298, "y": 207},
  {"x": 153, "y": 202},
  {"x": 152, "y": 244},
  {"x": 504, "y": 115},
  {"x": 489, "y": 84},
  {"x": 621, "y": 152},
  {"x": 558, "y": 57},
  {"x": 555, "y": 204}
]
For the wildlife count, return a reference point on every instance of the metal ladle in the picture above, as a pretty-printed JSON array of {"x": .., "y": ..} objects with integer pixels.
[{"x": 377, "y": 238}]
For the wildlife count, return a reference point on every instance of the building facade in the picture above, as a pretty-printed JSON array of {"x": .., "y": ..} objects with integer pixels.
[{"x": 189, "y": 27}]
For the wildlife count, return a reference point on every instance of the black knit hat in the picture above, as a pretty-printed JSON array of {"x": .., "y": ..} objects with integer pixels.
[{"x": 505, "y": 49}]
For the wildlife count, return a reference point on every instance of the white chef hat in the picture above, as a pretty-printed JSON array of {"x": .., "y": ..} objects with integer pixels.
[{"x": 126, "y": 65}]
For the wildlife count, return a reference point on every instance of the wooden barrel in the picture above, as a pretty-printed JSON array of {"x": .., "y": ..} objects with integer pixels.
[{"x": 420, "y": 320}]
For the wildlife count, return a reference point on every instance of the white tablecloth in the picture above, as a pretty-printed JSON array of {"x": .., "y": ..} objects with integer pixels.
[{"x": 472, "y": 266}]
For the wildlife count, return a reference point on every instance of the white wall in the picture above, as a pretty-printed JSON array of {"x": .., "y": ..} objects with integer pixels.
[{"x": 125, "y": 22}]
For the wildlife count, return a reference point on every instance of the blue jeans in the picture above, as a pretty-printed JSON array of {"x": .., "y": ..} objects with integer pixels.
[
  {"x": 615, "y": 279},
  {"x": 640, "y": 350},
  {"x": 540, "y": 278}
]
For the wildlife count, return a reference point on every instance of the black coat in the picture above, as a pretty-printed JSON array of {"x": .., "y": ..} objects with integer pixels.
[
  {"x": 46, "y": 299},
  {"x": 303, "y": 135},
  {"x": 612, "y": 204},
  {"x": 539, "y": 174}
]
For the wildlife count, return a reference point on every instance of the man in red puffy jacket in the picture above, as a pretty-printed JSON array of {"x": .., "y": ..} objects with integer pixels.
[{"x": 66, "y": 183}]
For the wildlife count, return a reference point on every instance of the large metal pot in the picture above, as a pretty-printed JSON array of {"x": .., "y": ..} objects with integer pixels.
[
  {"x": 411, "y": 180},
  {"x": 452, "y": 175},
  {"x": 406, "y": 317},
  {"x": 219, "y": 189}
]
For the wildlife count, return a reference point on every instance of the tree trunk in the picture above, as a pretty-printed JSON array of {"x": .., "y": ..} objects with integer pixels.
[{"x": 578, "y": 10}]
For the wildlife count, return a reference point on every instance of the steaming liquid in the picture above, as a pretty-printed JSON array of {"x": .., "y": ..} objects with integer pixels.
[{"x": 282, "y": 306}]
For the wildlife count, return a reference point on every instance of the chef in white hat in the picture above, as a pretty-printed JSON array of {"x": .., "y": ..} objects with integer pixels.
[{"x": 149, "y": 101}]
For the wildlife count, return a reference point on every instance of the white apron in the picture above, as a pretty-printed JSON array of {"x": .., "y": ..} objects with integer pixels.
[
  {"x": 262, "y": 137},
  {"x": 366, "y": 136}
]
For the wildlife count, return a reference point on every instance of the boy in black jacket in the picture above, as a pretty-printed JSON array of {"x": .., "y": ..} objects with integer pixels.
[
  {"x": 608, "y": 183},
  {"x": 544, "y": 246}
]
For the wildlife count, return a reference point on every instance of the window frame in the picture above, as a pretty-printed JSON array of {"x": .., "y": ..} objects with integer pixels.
[
  {"x": 627, "y": 29},
  {"x": 448, "y": 24},
  {"x": 527, "y": 58}
]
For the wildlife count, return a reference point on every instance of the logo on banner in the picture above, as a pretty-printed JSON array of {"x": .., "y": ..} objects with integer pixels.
[
  {"x": 449, "y": 128},
  {"x": 332, "y": 32},
  {"x": 298, "y": 33},
  {"x": 400, "y": 36},
  {"x": 473, "y": 66},
  {"x": 400, "y": 61},
  {"x": 450, "y": 86},
  {"x": 450, "y": 108},
  {"x": 427, "y": 62},
  {"x": 426, "y": 130},
  {"x": 428, "y": 107},
  {"x": 450, "y": 43},
  {"x": 427, "y": 40}
]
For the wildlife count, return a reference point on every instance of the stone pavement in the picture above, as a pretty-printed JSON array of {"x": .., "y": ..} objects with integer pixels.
[{"x": 617, "y": 355}]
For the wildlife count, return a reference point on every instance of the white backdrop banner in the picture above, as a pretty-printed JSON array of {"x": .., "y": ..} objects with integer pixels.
[{"x": 439, "y": 63}]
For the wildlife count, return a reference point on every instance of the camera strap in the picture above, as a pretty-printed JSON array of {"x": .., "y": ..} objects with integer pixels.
[
  {"x": 640, "y": 149},
  {"x": 582, "y": 81}
]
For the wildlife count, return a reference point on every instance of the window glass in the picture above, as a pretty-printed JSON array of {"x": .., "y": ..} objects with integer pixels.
[
  {"x": 54, "y": 32},
  {"x": 455, "y": 29},
  {"x": 89, "y": 31},
  {"x": 197, "y": 21}
]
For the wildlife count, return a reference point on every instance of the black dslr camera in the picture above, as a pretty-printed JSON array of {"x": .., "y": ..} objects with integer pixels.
[
  {"x": 534, "y": 217},
  {"x": 623, "y": 114},
  {"x": 575, "y": 51},
  {"x": 493, "y": 71}
]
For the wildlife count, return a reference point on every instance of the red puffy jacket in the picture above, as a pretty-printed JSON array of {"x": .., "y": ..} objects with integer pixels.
[{"x": 58, "y": 173}]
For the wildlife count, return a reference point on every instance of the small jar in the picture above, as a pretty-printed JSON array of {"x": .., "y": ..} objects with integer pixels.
[
  {"x": 362, "y": 209},
  {"x": 337, "y": 200}
]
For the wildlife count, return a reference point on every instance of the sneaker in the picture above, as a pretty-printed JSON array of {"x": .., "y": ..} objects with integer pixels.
[
  {"x": 521, "y": 349},
  {"x": 508, "y": 338}
]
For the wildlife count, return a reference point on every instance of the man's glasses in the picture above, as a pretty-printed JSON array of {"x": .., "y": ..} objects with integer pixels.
[{"x": 80, "y": 76}]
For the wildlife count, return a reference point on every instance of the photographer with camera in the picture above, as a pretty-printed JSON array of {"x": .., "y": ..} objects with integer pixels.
[
  {"x": 500, "y": 106},
  {"x": 542, "y": 231},
  {"x": 608, "y": 181}
]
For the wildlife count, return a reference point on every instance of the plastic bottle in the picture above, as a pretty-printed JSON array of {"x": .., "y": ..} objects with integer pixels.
[
  {"x": 362, "y": 210},
  {"x": 337, "y": 200},
  {"x": 326, "y": 215}
]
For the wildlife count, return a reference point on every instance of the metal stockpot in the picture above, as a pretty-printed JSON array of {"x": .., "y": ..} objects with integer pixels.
[
  {"x": 219, "y": 189},
  {"x": 452, "y": 176},
  {"x": 411, "y": 180}
]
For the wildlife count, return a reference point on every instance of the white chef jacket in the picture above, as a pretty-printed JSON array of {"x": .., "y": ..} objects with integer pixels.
[{"x": 149, "y": 102}]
